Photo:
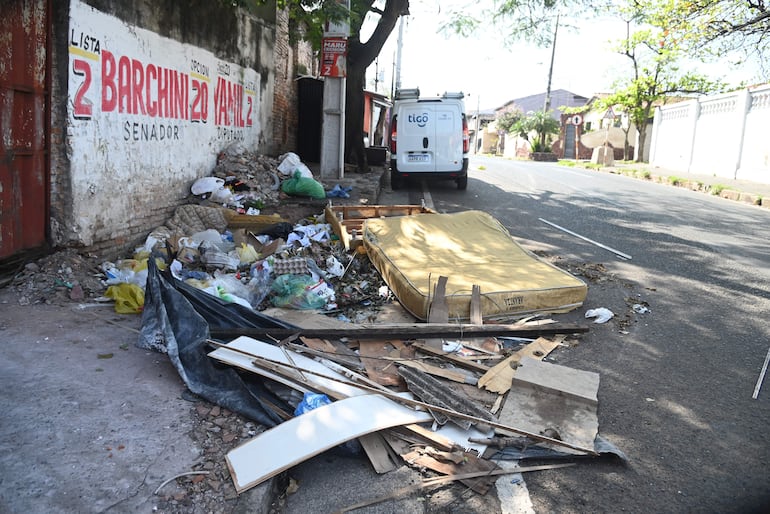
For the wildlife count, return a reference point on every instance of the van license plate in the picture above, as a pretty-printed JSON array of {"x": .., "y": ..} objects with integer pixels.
[{"x": 418, "y": 157}]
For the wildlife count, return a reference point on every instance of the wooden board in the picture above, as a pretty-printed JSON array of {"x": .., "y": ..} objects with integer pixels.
[
  {"x": 379, "y": 452},
  {"x": 378, "y": 368},
  {"x": 459, "y": 361},
  {"x": 471, "y": 463},
  {"x": 405, "y": 331},
  {"x": 347, "y": 221},
  {"x": 314, "y": 432},
  {"x": 498, "y": 378}
]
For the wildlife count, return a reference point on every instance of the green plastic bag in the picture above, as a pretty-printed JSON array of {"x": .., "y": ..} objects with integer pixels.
[
  {"x": 296, "y": 292},
  {"x": 303, "y": 186}
]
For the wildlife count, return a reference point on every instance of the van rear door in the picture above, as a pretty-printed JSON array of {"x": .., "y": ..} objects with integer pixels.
[{"x": 430, "y": 137}]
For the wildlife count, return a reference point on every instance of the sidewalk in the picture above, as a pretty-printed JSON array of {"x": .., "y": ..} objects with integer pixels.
[{"x": 753, "y": 193}]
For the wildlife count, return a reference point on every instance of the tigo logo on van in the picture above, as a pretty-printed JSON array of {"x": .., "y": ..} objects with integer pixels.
[{"x": 420, "y": 119}]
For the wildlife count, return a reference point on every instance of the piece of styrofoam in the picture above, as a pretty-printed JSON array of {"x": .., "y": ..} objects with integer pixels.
[{"x": 314, "y": 432}]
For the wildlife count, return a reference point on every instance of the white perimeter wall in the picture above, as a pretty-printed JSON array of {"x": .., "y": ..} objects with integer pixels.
[
  {"x": 147, "y": 115},
  {"x": 723, "y": 135}
]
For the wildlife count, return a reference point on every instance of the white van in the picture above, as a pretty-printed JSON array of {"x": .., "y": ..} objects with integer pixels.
[{"x": 428, "y": 138}]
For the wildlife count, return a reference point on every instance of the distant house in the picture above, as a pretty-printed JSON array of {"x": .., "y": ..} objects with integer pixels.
[
  {"x": 511, "y": 146},
  {"x": 478, "y": 123},
  {"x": 559, "y": 98}
]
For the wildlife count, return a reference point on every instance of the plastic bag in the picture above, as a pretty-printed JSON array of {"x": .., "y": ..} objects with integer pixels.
[
  {"x": 303, "y": 186},
  {"x": 291, "y": 163},
  {"x": 602, "y": 314},
  {"x": 206, "y": 185},
  {"x": 296, "y": 292},
  {"x": 340, "y": 192},
  {"x": 129, "y": 298},
  {"x": 311, "y": 401},
  {"x": 247, "y": 253}
]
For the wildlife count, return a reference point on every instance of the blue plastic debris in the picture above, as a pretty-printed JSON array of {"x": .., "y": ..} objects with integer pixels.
[{"x": 339, "y": 192}]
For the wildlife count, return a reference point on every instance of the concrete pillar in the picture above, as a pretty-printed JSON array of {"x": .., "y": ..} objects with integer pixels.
[
  {"x": 332, "y": 163},
  {"x": 742, "y": 108}
]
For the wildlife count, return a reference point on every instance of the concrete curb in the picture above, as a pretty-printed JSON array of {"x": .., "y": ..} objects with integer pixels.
[{"x": 714, "y": 189}]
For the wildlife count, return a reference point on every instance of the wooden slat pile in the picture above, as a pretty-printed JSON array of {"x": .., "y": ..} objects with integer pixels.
[
  {"x": 347, "y": 221},
  {"x": 457, "y": 380}
]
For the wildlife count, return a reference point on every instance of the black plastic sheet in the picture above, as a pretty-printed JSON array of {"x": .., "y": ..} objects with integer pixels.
[{"x": 176, "y": 321}]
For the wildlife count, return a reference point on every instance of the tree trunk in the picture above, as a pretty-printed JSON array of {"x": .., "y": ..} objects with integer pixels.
[
  {"x": 641, "y": 126},
  {"x": 354, "y": 118},
  {"x": 360, "y": 56}
]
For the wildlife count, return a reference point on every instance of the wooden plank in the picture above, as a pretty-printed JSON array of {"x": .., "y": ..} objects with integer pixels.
[
  {"x": 423, "y": 347},
  {"x": 378, "y": 368},
  {"x": 379, "y": 452},
  {"x": 312, "y": 433},
  {"x": 470, "y": 463},
  {"x": 344, "y": 219},
  {"x": 439, "y": 311},
  {"x": 498, "y": 379},
  {"x": 281, "y": 368},
  {"x": 476, "y": 317},
  {"x": 404, "y": 331}
]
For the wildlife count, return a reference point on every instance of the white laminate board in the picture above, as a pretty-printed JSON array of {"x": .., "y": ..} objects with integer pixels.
[
  {"x": 274, "y": 353},
  {"x": 314, "y": 432}
]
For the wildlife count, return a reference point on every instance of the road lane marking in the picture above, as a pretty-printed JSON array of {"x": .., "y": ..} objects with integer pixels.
[{"x": 584, "y": 238}]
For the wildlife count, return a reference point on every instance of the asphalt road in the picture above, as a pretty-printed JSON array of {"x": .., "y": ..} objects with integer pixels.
[{"x": 677, "y": 382}]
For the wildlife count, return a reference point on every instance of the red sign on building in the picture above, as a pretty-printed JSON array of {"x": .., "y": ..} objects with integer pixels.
[{"x": 333, "y": 57}]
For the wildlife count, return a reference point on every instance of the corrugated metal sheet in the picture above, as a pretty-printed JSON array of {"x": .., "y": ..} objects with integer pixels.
[{"x": 23, "y": 125}]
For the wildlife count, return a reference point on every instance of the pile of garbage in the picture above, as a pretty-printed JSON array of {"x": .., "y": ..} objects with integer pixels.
[{"x": 279, "y": 264}]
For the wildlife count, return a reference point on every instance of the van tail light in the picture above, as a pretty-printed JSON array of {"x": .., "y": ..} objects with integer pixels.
[
  {"x": 393, "y": 134},
  {"x": 466, "y": 136}
]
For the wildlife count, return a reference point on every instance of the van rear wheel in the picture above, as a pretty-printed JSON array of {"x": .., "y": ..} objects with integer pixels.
[
  {"x": 462, "y": 183},
  {"x": 395, "y": 180}
]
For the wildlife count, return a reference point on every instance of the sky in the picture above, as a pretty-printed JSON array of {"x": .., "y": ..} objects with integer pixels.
[{"x": 490, "y": 74}]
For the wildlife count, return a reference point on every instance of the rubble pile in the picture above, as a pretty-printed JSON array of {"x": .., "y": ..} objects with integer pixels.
[
  {"x": 250, "y": 180},
  {"x": 65, "y": 276}
]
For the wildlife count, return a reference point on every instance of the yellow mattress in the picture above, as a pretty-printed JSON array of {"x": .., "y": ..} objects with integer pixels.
[{"x": 472, "y": 247}]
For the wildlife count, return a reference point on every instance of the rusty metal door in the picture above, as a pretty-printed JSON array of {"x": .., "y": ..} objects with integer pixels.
[{"x": 24, "y": 175}]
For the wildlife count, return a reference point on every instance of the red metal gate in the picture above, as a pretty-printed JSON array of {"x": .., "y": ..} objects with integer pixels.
[{"x": 24, "y": 175}]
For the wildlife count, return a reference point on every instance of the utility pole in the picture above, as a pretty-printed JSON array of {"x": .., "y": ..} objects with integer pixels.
[
  {"x": 547, "y": 105},
  {"x": 398, "y": 53}
]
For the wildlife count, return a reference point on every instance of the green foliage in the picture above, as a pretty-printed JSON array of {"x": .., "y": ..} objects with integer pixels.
[
  {"x": 507, "y": 119},
  {"x": 713, "y": 28},
  {"x": 538, "y": 147},
  {"x": 539, "y": 122},
  {"x": 308, "y": 17},
  {"x": 519, "y": 20},
  {"x": 716, "y": 189}
]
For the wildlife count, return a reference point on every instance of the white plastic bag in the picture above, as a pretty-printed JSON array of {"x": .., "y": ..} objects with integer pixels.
[
  {"x": 290, "y": 162},
  {"x": 207, "y": 185},
  {"x": 602, "y": 314}
]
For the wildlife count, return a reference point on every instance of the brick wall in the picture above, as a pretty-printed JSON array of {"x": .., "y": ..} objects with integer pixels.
[{"x": 290, "y": 61}]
